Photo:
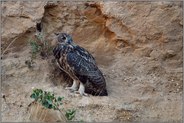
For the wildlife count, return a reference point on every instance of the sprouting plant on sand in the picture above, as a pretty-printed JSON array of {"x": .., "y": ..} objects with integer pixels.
[
  {"x": 39, "y": 45},
  {"x": 35, "y": 49},
  {"x": 50, "y": 101}
]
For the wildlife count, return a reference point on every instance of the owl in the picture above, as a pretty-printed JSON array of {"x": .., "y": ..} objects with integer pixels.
[{"x": 80, "y": 65}]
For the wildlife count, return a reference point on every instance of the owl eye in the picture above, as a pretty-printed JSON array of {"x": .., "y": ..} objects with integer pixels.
[{"x": 64, "y": 38}]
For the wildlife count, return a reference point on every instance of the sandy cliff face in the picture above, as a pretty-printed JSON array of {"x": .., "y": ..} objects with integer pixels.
[{"x": 137, "y": 45}]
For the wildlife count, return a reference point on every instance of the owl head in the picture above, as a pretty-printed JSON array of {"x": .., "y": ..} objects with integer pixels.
[{"x": 64, "y": 38}]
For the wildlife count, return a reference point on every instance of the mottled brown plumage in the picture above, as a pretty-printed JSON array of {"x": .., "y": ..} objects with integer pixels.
[{"x": 80, "y": 65}]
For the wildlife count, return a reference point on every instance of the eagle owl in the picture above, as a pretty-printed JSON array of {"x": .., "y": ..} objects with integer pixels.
[{"x": 80, "y": 65}]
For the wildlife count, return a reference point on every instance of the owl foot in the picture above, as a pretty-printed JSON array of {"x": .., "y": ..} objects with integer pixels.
[
  {"x": 78, "y": 93},
  {"x": 81, "y": 90},
  {"x": 73, "y": 87}
]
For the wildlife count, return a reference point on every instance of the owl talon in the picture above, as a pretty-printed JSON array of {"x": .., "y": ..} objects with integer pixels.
[
  {"x": 73, "y": 87},
  {"x": 85, "y": 94},
  {"x": 70, "y": 88},
  {"x": 77, "y": 93},
  {"x": 81, "y": 90}
]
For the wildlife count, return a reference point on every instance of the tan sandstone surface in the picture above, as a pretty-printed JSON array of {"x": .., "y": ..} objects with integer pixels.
[{"x": 137, "y": 45}]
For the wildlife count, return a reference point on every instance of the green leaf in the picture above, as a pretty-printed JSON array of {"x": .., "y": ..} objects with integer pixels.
[
  {"x": 54, "y": 107},
  {"x": 35, "y": 48},
  {"x": 70, "y": 114},
  {"x": 33, "y": 96},
  {"x": 60, "y": 98},
  {"x": 45, "y": 104},
  {"x": 50, "y": 106},
  {"x": 49, "y": 101}
]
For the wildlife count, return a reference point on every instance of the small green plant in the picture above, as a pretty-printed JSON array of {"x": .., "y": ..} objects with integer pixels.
[
  {"x": 35, "y": 49},
  {"x": 45, "y": 47},
  {"x": 50, "y": 101},
  {"x": 70, "y": 114},
  {"x": 38, "y": 46}
]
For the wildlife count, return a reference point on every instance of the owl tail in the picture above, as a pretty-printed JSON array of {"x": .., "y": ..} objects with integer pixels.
[
  {"x": 102, "y": 93},
  {"x": 96, "y": 91}
]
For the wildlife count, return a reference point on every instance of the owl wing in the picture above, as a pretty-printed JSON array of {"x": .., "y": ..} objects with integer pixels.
[
  {"x": 85, "y": 54},
  {"x": 84, "y": 66}
]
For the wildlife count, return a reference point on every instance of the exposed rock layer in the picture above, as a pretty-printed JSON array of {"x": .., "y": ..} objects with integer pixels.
[{"x": 138, "y": 46}]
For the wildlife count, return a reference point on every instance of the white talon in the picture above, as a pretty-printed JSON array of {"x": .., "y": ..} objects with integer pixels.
[
  {"x": 81, "y": 90},
  {"x": 73, "y": 87}
]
